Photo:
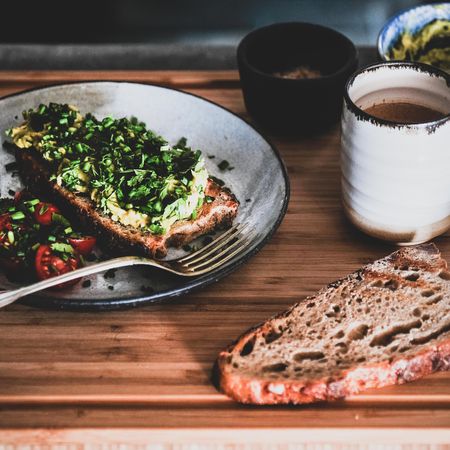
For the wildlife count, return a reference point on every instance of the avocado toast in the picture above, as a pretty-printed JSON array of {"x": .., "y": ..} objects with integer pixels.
[{"x": 121, "y": 181}]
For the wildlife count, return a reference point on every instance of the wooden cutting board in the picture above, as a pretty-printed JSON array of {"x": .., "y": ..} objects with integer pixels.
[{"x": 77, "y": 375}]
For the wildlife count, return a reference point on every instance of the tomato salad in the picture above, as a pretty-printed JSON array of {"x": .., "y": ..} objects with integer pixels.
[{"x": 38, "y": 242}]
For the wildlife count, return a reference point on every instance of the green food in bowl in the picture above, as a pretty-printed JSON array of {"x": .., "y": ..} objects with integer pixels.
[{"x": 430, "y": 45}]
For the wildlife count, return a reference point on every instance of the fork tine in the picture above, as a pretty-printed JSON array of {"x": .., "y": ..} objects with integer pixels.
[
  {"x": 201, "y": 262},
  {"x": 248, "y": 242},
  {"x": 237, "y": 235},
  {"x": 215, "y": 242},
  {"x": 214, "y": 249}
]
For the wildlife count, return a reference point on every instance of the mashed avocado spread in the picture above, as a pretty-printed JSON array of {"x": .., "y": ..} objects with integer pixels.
[
  {"x": 132, "y": 174},
  {"x": 430, "y": 45}
]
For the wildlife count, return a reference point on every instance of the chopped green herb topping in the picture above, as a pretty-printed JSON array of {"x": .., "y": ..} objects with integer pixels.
[
  {"x": 128, "y": 171},
  {"x": 62, "y": 248},
  {"x": 19, "y": 215}
]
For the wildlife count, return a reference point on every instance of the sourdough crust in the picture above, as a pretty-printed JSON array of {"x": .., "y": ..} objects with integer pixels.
[
  {"x": 426, "y": 360},
  {"x": 115, "y": 237}
]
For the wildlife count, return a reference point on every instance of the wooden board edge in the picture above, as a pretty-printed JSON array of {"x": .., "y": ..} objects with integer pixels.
[{"x": 314, "y": 438}]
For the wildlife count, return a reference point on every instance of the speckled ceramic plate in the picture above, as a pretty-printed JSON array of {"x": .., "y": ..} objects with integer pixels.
[{"x": 258, "y": 180}]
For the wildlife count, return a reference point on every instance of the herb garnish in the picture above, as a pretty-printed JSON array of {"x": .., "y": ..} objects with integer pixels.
[{"x": 131, "y": 173}]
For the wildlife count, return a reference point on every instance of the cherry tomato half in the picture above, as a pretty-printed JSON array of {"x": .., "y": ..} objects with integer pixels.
[
  {"x": 83, "y": 245},
  {"x": 49, "y": 265},
  {"x": 43, "y": 213},
  {"x": 5, "y": 222},
  {"x": 5, "y": 226}
]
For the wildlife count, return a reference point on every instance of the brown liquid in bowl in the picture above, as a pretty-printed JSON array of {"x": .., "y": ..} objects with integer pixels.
[{"x": 403, "y": 112}]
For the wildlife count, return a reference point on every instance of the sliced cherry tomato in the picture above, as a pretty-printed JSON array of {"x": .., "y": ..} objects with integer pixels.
[
  {"x": 49, "y": 265},
  {"x": 83, "y": 245},
  {"x": 43, "y": 213},
  {"x": 5, "y": 226},
  {"x": 5, "y": 222}
]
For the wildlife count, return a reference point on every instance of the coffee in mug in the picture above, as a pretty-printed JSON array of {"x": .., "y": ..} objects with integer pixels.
[{"x": 395, "y": 151}]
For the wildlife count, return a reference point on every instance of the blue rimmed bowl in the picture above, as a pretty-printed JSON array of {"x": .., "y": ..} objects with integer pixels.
[{"x": 409, "y": 21}]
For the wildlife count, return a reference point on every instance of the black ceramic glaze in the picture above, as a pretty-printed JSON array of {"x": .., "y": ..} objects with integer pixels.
[{"x": 295, "y": 105}]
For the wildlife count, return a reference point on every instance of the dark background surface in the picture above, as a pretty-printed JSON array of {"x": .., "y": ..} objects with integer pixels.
[{"x": 158, "y": 34}]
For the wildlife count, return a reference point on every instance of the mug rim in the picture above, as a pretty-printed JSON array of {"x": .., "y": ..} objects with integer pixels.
[{"x": 430, "y": 70}]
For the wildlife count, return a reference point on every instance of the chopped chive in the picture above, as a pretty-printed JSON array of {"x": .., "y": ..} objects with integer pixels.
[
  {"x": 108, "y": 122},
  {"x": 58, "y": 218},
  {"x": 35, "y": 246},
  {"x": 19, "y": 215},
  {"x": 33, "y": 202},
  {"x": 68, "y": 230},
  {"x": 63, "y": 121},
  {"x": 11, "y": 237},
  {"x": 61, "y": 247},
  {"x": 52, "y": 238}
]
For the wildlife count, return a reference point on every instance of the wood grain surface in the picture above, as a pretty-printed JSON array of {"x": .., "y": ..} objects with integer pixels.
[{"x": 150, "y": 367}]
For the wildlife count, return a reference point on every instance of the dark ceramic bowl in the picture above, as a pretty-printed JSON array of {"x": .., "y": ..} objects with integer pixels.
[{"x": 295, "y": 105}]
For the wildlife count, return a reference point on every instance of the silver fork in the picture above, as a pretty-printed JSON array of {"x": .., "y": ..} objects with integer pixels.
[{"x": 202, "y": 261}]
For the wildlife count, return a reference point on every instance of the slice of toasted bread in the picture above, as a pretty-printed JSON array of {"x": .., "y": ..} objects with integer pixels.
[
  {"x": 385, "y": 324},
  {"x": 115, "y": 237}
]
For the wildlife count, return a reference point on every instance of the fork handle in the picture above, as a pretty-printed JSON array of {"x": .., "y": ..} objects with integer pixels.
[{"x": 8, "y": 297}]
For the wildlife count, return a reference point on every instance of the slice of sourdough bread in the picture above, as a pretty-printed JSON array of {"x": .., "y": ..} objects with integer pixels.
[{"x": 387, "y": 323}]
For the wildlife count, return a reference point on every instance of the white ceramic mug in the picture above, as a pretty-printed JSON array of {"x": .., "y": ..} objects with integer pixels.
[{"x": 396, "y": 177}]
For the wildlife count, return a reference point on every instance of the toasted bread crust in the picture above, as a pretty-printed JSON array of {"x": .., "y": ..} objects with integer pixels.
[
  {"x": 426, "y": 359},
  {"x": 115, "y": 237},
  {"x": 266, "y": 392}
]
